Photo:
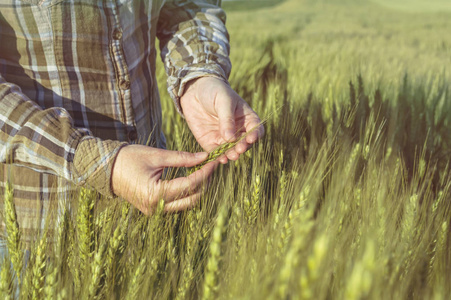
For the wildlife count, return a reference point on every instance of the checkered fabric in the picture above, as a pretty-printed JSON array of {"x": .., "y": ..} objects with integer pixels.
[{"x": 77, "y": 82}]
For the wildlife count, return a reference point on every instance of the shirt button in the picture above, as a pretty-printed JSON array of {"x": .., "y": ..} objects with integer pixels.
[
  {"x": 117, "y": 34},
  {"x": 124, "y": 84},
  {"x": 132, "y": 135}
]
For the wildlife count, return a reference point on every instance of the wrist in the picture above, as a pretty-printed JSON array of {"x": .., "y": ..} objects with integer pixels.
[
  {"x": 194, "y": 87},
  {"x": 192, "y": 84},
  {"x": 93, "y": 163},
  {"x": 116, "y": 172}
]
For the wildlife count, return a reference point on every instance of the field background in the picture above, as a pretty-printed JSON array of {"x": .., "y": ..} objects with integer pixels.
[{"x": 346, "y": 197}]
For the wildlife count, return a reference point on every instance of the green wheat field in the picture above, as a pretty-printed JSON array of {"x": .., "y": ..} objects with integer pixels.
[{"x": 346, "y": 197}]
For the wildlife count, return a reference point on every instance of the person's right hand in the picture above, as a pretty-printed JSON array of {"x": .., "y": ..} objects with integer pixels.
[{"x": 137, "y": 174}]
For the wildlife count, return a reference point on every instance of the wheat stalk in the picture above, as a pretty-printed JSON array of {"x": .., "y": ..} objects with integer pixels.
[
  {"x": 97, "y": 273},
  {"x": 314, "y": 263},
  {"x": 192, "y": 239},
  {"x": 39, "y": 268},
  {"x": 116, "y": 246},
  {"x": 360, "y": 280},
  {"x": 187, "y": 277},
  {"x": 212, "y": 269},
  {"x": 291, "y": 261},
  {"x": 7, "y": 285},
  {"x": 12, "y": 228},
  {"x": 256, "y": 198},
  {"x": 50, "y": 289},
  {"x": 85, "y": 227},
  {"x": 252, "y": 205},
  {"x": 237, "y": 229},
  {"x": 136, "y": 282}
]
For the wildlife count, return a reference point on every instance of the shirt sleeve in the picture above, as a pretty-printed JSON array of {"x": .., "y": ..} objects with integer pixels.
[
  {"x": 47, "y": 141},
  {"x": 194, "y": 43}
]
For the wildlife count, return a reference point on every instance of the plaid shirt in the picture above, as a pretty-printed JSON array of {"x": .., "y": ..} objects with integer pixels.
[{"x": 77, "y": 82}]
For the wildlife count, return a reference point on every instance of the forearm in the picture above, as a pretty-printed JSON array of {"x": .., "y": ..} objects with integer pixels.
[
  {"x": 47, "y": 141},
  {"x": 194, "y": 43}
]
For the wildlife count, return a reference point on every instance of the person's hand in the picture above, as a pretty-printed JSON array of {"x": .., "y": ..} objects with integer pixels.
[
  {"x": 137, "y": 174},
  {"x": 216, "y": 114}
]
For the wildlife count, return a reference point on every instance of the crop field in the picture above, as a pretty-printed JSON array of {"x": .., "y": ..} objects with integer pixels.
[{"x": 347, "y": 196}]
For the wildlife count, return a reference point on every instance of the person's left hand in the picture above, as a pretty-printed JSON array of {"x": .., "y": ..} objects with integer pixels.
[{"x": 216, "y": 114}]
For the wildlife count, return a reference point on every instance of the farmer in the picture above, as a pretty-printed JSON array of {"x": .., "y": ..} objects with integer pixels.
[{"x": 79, "y": 99}]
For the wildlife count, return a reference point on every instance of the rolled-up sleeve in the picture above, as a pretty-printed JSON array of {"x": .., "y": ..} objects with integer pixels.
[
  {"x": 47, "y": 141},
  {"x": 194, "y": 43}
]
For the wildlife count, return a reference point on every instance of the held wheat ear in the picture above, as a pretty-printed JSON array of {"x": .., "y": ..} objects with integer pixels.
[{"x": 222, "y": 149}]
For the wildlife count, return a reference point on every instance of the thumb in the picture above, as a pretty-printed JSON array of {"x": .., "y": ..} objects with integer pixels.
[
  {"x": 181, "y": 159},
  {"x": 226, "y": 115}
]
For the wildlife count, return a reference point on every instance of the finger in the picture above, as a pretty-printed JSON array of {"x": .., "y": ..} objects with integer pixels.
[
  {"x": 223, "y": 159},
  {"x": 241, "y": 146},
  {"x": 226, "y": 115},
  {"x": 253, "y": 124},
  {"x": 184, "y": 186},
  {"x": 184, "y": 203},
  {"x": 257, "y": 131},
  {"x": 232, "y": 154},
  {"x": 167, "y": 158}
]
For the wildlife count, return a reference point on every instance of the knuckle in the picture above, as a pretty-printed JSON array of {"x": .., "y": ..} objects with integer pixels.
[
  {"x": 184, "y": 155},
  {"x": 180, "y": 153},
  {"x": 229, "y": 119}
]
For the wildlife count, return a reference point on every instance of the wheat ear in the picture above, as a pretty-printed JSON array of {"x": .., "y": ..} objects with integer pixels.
[
  {"x": 37, "y": 283},
  {"x": 137, "y": 279},
  {"x": 97, "y": 273},
  {"x": 12, "y": 228},
  {"x": 222, "y": 149},
  {"x": 6, "y": 280},
  {"x": 211, "y": 274},
  {"x": 85, "y": 226}
]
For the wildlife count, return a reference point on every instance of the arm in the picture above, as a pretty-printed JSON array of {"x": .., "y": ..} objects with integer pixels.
[
  {"x": 47, "y": 141},
  {"x": 194, "y": 43},
  {"x": 195, "y": 49}
]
